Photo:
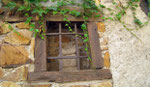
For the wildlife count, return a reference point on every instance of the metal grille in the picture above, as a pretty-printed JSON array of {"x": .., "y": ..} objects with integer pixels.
[{"x": 60, "y": 56}]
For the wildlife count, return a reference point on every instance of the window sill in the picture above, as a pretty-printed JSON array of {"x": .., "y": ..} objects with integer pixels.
[{"x": 81, "y": 75}]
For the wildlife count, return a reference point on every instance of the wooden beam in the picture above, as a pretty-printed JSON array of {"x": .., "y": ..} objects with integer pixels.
[
  {"x": 40, "y": 53},
  {"x": 50, "y": 17},
  {"x": 81, "y": 75},
  {"x": 57, "y": 18},
  {"x": 97, "y": 59}
]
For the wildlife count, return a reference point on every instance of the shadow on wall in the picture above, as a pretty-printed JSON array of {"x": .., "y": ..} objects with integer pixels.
[{"x": 144, "y": 6}]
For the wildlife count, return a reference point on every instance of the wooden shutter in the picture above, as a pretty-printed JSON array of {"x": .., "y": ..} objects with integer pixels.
[{"x": 97, "y": 59}]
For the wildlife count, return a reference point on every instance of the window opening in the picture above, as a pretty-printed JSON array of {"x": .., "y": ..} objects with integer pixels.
[{"x": 65, "y": 50}]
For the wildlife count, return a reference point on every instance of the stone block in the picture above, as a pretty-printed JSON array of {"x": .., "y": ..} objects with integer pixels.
[
  {"x": 19, "y": 37},
  {"x": 101, "y": 27},
  {"x": 79, "y": 86},
  {"x": 44, "y": 85},
  {"x": 97, "y": 2},
  {"x": 18, "y": 74},
  {"x": 69, "y": 62},
  {"x": 1, "y": 72},
  {"x": 104, "y": 48},
  {"x": 104, "y": 42},
  {"x": 10, "y": 55},
  {"x": 107, "y": 60},
  {"x": 102, "y": 84},
  {"x": 53, "y": 45},
  {"x": 5, "y": 28},
  {"x": 32, "y": 47},
  {"x": 9, "y": 84},
  {"x": 22, "y": 25},
  {"x": 66, "y": 39},
  {"x": 101, "y": 34}
]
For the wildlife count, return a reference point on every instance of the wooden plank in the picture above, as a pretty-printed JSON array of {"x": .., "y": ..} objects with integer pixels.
[
  {"x": 97, "y": 59},
  {"x": 40, "y": 53},
  {"x": 56, "y": 18},
  {"x": 81, "y": 75},
  {"x": 50, "y": 17}
]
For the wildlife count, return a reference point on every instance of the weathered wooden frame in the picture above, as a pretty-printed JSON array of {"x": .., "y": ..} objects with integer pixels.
[
  {"x": 82, "y": 75},
  {"x": 41, "y": 73}
]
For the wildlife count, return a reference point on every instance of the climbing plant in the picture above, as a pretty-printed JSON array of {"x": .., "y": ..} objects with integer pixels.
[{"x": 33, "y": 7}]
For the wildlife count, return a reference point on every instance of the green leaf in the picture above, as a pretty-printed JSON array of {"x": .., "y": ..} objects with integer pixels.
[
  {"x": 85, "y": 35},
  {"x": 85, "y": 18},
  {"x": 28, "y": 20},
  {"x": 149, "y": 14},
  {"x": 36, "y": 30},
  {"x": 11, "y": 5},
  {"x": 114, "y": 3},
  {"x": 85, "y": 40},
  {"x": 75, "y": 13},
  {"x": 55, "y": 12},
  {"x": 83, "y": 26},
  {"x": 66, "y": 25},
  {"x": 21, "y": 8},
  {"x": 65, "y": 19},
  {"x": 119, "y": 15},
  {"x": 102, "y": 6},
  {"x": 26, "y": 14},
  {"x": 31, "y": 29},
  {"x": 137, "y": 21},
  {"x": 86, "y": 49},
  {"x": 32, "y": 25},
  {"x": 97, "y": 15}
]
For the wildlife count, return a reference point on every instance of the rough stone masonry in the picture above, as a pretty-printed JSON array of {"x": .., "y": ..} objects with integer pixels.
[{"x": 128, "y": 57}]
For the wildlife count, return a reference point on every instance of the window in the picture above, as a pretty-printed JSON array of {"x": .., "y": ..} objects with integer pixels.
[
  {"x": 65, "y": 50},
  {"x": 60, "y": 57}
]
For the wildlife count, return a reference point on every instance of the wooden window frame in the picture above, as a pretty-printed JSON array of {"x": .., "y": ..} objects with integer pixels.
[{"x": 41, "y": 74}]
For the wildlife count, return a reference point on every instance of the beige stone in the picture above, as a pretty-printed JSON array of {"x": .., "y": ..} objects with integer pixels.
[
  {"x": 101, "y": 27},
  {"x": 44, "y": 85},
  {"x": 19, "y": 37},
  {"x": 102, "y": 84},
  {"x": 104, "y": 48},
  {"x": 97, "y": 2},
  {"x": 13, "y": 55},
  {"x": 9, "y": 84},
  {"x": 107, "y": 60},
  {"x": 1, "y": 72},
  {"x": 101, "y": 34},
  {"x": 18, "y": 74},
  {"x": 22, "y": 25},
  {"x": 104, "y": 42},
  {"x": 5, "y": 28},
  {"x": 32, "y": 46},
  {"x": 79, "y": 86}
]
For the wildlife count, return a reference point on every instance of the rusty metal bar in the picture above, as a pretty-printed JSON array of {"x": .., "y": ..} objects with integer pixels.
[
  {"x": 64, "y": 34},
  {"x": 77, "y": 48},
  {"x": 60, "y": 48},
  {"x": 67, "y": 57}
]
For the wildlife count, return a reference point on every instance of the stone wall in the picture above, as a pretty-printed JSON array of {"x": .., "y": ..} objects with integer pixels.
[
  {"x": 129, "y": 54},
  {"x": 126, "y": 55},
  {"x": 17, "y": 58}
]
